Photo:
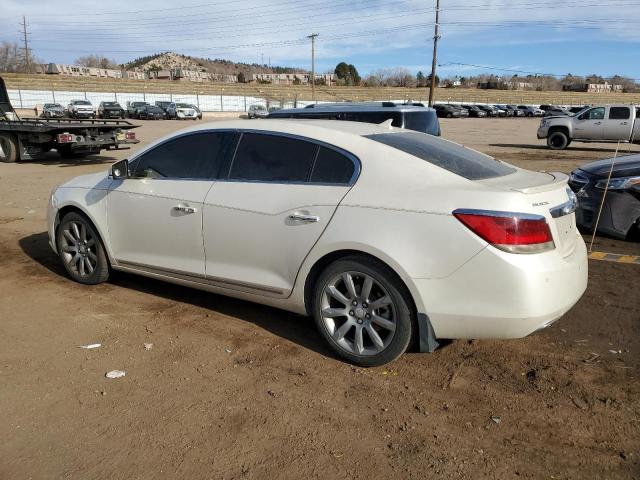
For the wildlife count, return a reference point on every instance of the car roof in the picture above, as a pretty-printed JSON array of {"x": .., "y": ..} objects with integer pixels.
[{"x": 358, "y": 107}]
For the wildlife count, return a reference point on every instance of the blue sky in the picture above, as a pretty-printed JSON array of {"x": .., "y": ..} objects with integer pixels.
[{"x": 576, "y": 36}]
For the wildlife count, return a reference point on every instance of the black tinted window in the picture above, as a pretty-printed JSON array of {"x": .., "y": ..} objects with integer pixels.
[
  {"x": 332, "y": 167},
  {"x": 198, "y": 155},
  {"x": 425, "y": 122},
  {"x": 272, "y": 158},
  {"x": 619, "y": 113},
  {"x": 450, "y": 156},
  {"x": 375, "y": 117}
]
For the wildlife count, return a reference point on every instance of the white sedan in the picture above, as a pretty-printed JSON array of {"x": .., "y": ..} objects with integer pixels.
[{"x": 386, "y": 237}]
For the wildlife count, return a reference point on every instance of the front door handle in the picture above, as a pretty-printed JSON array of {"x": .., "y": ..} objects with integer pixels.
[
  {"x": 185, "y": 209},
  {"x": 597, "y": 123},
  {"x": 623, "y": 123},
  {"x": 301, "y": 217}
]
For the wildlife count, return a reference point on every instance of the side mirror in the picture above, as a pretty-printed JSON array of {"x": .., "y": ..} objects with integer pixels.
[{"x": 120, "y": 170}]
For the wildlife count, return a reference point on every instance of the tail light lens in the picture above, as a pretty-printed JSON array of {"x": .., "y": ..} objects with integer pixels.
[
  {"x": 65, "y": 138},
  {"x": 130, "y": 135},
  {"x": 511, "y": 232}
]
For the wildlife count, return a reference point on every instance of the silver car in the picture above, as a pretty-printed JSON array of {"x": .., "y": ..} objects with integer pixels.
[{"x": 257, "y": 110}]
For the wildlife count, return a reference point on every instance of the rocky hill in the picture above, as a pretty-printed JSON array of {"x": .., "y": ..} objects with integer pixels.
[{"x": 171, "y": 60}]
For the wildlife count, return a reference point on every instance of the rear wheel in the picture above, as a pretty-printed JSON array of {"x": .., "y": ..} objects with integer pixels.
[
  {"x": 557, "y": 140},
  {"x": 8, "y": 148},
  {"x": 363, "y": 311},
  {"x": 81, "y": 250}
]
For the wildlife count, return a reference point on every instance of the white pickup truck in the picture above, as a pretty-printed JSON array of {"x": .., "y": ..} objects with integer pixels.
[{"x": 603, "y": 123}]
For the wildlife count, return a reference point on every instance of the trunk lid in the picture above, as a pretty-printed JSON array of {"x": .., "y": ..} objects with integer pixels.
[{"x": 546, "y": 194}]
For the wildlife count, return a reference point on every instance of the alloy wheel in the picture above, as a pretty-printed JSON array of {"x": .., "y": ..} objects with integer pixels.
[
  {"x": 358, "y": 313},
  {"x": 78, "y": 248}
]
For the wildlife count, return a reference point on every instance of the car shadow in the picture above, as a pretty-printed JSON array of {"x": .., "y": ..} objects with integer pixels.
[
  {"x": 295, "y": 328},
  {"x": 544, "y": 147},
  {"x": 53, "y": 159}
]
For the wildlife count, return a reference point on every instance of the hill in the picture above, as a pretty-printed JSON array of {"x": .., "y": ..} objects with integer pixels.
[{"x": 171, "y": 60}]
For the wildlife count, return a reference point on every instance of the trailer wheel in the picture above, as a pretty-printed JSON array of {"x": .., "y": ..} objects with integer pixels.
[{"x": 8, "y": 148}]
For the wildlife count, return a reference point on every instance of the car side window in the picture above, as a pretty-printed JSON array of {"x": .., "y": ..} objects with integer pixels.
[
  {"x": 194, "y": 156},
  {"x": 619, "y": 113},
  {"x": 272, "y": 158},
  {"x": 332, "y": 167},
  {"x": 593, "y": 114}
]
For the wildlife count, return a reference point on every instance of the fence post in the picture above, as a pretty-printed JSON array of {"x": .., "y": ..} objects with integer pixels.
[
  {"x": 20, "y": 96},
  {"x": 198, "y": 101},
  {"x": 221, "y": 105},
  {"x": 85, "y": 95},
  {"x": 245, "y": 103},
  {"x": 53, "y": 94}
]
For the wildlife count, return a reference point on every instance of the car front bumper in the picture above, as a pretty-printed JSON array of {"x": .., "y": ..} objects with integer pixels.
[{"x": 504, "y": 295}]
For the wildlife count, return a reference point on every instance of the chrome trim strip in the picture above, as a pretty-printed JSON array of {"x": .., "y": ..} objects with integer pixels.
[
  {"x": 496, "y": 213},
  {"x": 567, "y": 207},
  {"x": 202, "y": 279}
]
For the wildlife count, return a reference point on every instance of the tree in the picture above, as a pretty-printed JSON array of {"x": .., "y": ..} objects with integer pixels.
[
  {"x": 12, "y": 58},
  {"x": 420, "y": 79},
  {"x": 347, "y": 73},
  {"x": 96, "y": 61},
  {"x": 241, "y": 78}
]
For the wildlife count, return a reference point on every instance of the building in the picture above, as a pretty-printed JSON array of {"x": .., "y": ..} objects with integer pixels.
[
  {"x": 605, "y": 87},
  {"x": 292, "y": 78}
]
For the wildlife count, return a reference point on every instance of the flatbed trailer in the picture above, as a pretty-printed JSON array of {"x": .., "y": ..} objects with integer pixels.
[{"x": 30, "y": 138}]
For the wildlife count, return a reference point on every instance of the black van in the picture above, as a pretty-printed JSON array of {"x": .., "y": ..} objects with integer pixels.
[{"x": 410, "y": 116}]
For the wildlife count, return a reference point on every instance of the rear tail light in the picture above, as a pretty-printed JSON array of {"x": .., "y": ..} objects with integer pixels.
[
  {"x": 130, "y": 135},
  {"x": 65, "y": 138},
  {"x": 511, "y": 232}
]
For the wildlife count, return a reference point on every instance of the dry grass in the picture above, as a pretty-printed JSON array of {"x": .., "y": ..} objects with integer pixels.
[{"x": 289, "y": 93}]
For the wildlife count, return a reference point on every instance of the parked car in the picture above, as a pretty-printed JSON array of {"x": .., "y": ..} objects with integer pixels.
[
  {"x": 603, "y": 123},
  {"x": 555, "y": 111},
  {"x": 183, "y": 111},
  {"x": 274, "y": 108},
  {"x": 516, "y": 111},
  {"x": 620, "y": 215},
  {"x": 81, "y": 109},
  {"x": 52, "y": 110},
  {"x": 257, "y": 110},
  {"x": 163, "y": 104},
  {"x": 421, "y": 119},
  {"x": 474, "y": 111},
  {"x": 110, "y": 110},
  {"x": 198, "y": 111},
  {"x": 464, "y": 113},
  {"x": 150, "y": 112},
  {"x": 490, "y": 110},
  {"x": 133, "y": 107},
  {"x": 446, "y": 111},
  {"x": 530, "y": 111},
  {"x": 274, "y": 213},
  {"x": 508, "y": 112}
]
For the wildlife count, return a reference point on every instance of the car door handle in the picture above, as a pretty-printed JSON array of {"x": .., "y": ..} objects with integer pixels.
[
  {"x": 301, "y": 217},
  {"x": 623, "y": 123},
  {"x": 185, "y": 209},
  {"x": 597, "y": 123}
]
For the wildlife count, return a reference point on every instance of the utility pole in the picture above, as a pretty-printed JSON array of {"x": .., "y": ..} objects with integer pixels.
[
  {"x": 436, "y": 36},
  {"x": 26, "y": 44},
  {"x": 313, "y": 65}
]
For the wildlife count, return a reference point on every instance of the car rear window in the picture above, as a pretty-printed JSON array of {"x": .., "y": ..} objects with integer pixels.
[{"x": 452, "y": 157}]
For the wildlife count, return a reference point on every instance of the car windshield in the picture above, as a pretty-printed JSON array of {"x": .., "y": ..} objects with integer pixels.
[
  {"x": 154, "y": 109},
  {"x": 579, "y": 112},
  {"x": 81, "y": 102},
  {"x": 259, "y": 107},
  {"x": 452, "y": 157},
  {"x": 52, "y": 105},
  {"x": 183, "y": 105},
  {"x": 111, "y": 104}
]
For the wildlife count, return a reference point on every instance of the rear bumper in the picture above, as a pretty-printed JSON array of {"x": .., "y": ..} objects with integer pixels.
[{"x": 502, "y": 295}]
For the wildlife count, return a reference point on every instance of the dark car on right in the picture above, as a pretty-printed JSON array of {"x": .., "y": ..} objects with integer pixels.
[
  {"x": 151, "y": 112},
  {"x": 446, "y": 111},
  {"x": 620, "y": 215},
  {"x": 475, "y": 111},
  {"x": 133, "y": 108}
]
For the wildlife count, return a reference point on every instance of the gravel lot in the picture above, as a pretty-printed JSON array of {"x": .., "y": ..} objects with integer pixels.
[{"x": 235, "y": 390}]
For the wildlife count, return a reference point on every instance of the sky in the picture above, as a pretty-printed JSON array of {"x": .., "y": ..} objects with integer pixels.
[{"x": 542, "y": 36}]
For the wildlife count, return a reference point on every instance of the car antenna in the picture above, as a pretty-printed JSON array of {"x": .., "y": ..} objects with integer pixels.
[{"x": 387, "y": 124}]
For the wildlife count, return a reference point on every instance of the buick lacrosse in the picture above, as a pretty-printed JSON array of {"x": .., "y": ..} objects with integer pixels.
[{"x": 386, "y": 237}]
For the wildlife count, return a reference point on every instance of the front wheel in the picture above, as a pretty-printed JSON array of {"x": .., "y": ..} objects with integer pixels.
[
  {"x": 363, "y": 311},
  {"x": 557, "y": 141},
  {"x": 81, "y": 250}
]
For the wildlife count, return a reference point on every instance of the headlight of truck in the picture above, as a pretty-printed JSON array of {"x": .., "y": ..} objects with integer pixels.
[{"x": 620, "y": 183}]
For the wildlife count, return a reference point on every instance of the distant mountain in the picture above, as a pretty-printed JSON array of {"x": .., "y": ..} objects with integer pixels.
[{"x": 171, "y": 60}]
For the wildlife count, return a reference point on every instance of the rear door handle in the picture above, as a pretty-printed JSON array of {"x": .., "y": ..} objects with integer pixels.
[
  {"x": 623, "y": 123},
  {"x": 185, "y": 209},
  {"x": 301, "y": 217}
]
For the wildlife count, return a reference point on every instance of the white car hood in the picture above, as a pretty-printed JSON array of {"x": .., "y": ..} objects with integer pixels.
[{"x": 100, "y": 181}]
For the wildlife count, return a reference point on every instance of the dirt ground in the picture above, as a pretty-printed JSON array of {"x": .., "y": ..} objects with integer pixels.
[{"x": 235, "y": 390}]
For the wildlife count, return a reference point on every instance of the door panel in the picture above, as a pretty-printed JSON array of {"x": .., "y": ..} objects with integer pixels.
[
  {"x": 590, "y": 125},
  {"x": 251, "y": 237},
  {"x": 618, "y": 124},
  {"x": 158, "y": 223}
]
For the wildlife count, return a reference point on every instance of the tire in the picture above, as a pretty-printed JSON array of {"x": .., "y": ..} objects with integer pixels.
[
  {"x": 449, "y": 115},
  {"x": 557, "y": 140},
  {"x": 530, "y": 114},
  {"x": 81, "y": 250},
  {"x": 338, "y": 320},
  {"x": 9, "y": 146}
]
